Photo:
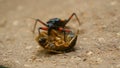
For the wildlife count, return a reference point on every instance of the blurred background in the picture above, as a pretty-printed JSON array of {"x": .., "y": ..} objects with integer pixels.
[{"x": 97, "y": 46}]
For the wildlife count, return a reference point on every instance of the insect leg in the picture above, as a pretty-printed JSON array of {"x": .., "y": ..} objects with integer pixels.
[
  {"x": 46, "y": 28},
  {"x": 64, "y": 36},
  {"x": 64, "y": 31},
  {"x": 73, "y": 14},
  {"x": 43, "y": 28},
  {"x": 49, "y": 30},
  {"x": 37, "y": 20}
]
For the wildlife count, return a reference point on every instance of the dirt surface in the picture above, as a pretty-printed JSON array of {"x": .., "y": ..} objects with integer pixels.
[{"x": 98, "y": 44}]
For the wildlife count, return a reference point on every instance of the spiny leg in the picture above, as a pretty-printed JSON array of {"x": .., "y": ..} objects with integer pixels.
[
  {"x": 73, "y": 14},
  {"x": 37, "y": 20},
  {"x": 43, "y": 28}
]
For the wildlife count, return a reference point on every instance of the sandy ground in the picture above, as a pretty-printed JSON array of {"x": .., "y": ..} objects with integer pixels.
[{"x": 98, "y": 44}]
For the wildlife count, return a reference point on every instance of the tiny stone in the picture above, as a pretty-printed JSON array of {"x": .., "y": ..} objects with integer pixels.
[
  {"x": 103, "y": 27},
  {"x": 118, "y": 34},
  {"x": 5, "y": 59},
  {"x": 118, "y": 65},
  {"x": 28, "y": 47},
  {"x": 113, "y": 3},
  {"x": 84, "y": 38},
  {"x": 89, "y": 53},
  {"x": 115, "y": 18},
  {"x": 37, "y": 46},
  {"x": 84, "y": 59},
  {"x": 118, "y": 47},
  {"x": 26, "y": 65},
  {"x": 15, "y": 23},
  {"x": 99, "y": 60},
  {"x": 18, "y": 62},
  {"x": 101, "y": 39},
  {"x": 75, "y": 58}
]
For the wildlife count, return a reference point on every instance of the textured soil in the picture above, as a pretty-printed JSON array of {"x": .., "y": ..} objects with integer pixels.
[{"x": 98, "y": 44}]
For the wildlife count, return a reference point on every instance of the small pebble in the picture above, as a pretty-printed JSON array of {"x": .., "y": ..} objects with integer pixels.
[
  {"x": 99, "y": 60},
  {"x": 101, "y": 39},
  {"x": 37, "y": 46},
  {"x": 85, "y": 38},
  {"x": 84, "y": 59},
  {"x": 118, "y": 34},
  {"x": 118, "y": 66},
  {"x": 28, "y": 47},
  {"x": 16, "y": 61},
  {"x": 103, "y": 27},
  {"x": 113, "y": 3},
  {"x": 118, "y": 47},
  {"x": 5, "y": 60},
  {"x": 76, "y": 58},
  {"x": 89, "y": 53},
  {"x": 15, "y": 23},
  {"x": 27, "y": 65}
]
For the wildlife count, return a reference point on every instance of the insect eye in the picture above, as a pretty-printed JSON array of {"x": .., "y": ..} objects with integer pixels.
[{"x": 42, "y": 40}]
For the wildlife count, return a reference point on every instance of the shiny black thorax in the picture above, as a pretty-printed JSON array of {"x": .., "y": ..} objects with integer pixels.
[{"x": 56, "y": 23}]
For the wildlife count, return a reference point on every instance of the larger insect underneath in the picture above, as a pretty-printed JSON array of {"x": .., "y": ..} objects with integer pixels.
[{"x": 56, "y": 36}]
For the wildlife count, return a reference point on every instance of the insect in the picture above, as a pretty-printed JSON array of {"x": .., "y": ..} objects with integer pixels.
[{"x": 56, "y": 37}]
